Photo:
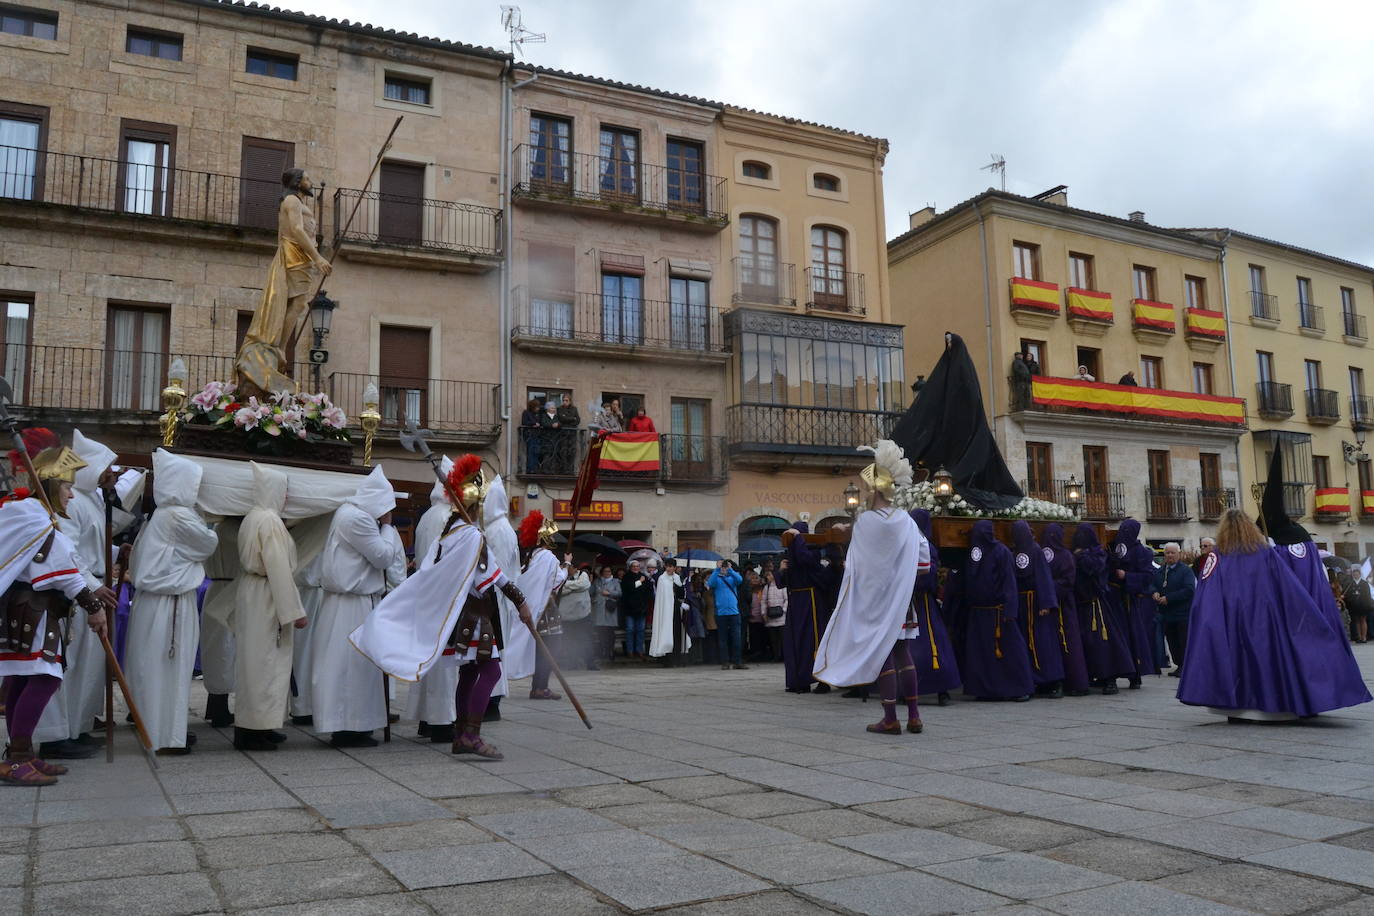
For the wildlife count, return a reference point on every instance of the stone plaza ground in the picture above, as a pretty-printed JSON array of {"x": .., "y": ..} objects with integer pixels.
[{"x": 710, "y": 792}]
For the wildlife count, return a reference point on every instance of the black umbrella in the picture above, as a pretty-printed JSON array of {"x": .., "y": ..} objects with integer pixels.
[
  {"x": 599, "y": 543},
  {"x": 1335, "y": 562}
]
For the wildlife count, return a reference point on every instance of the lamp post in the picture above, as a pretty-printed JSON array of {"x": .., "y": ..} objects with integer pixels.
[
  {"x": 1073, "y": 496},
  {"x": 173, "y": 399},
  {"x": 321, "y": 315},
  {"x": 851, "y": 499},
  {"x": 943, "y": 482},
  {"x": 371, "y": 418}
]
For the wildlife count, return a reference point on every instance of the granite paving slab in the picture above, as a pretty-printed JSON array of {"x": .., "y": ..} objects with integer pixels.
[
  {"x": 441, "y": 866},
  {"x": 551, "y": 822},
  {"x": 1136, "y": 899},
  {"x": 664, "y": 882},
  {"x": 1325, "y": 860},
  {"x": 827, "y": 823},
  {"x": 534, "y": 896},
  {"x": 769, "y": 903},
  {"x": 297, "y": 882},
  {"x": 1260, "y": 889},
  {"x": 926, "y": 811},
  {"x": 107, "y": 833},
  {"x": 903, "y": 893},
  {"x": 720, "y": 834},
  {"x": 802, "y": 863},
  {"x": 1292, "y": 823},
  {"x": 1129, "y": 858},
  {"x": 915, "y": 846},
  {"x": 1015, "y": 832},
  {"x": 597, "y": 847},
  {"x": 92, "y": 863},
  {"x": 147, "y": 895},
  {"x": 1216, "y": 839},
  {"x": 1020, "y": 875},
  {"x": 267, "y": 849},
  {"x": 421, "y": 835},
  {"x": 249, "y": 823},
  {"x": 375, "y": 905},
  {"x": 762, "y": 804}
]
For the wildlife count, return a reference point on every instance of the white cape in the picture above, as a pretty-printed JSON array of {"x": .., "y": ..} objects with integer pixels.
[
  {"x": 661, "y": 640},
  {"x": 537, "y": 584},
  {"x": 885, "y": 553},
  {"x": 503, "y": 549}
]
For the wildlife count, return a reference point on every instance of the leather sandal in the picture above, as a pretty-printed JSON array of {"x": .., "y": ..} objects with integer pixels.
[
  {"x": 545, "y": 694},
  {"x": 25, "y": 774},
  {"x": 886, "y": 728},
  {"x": 474, "y": 744}
]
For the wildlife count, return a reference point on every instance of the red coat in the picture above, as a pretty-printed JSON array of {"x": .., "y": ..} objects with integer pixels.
[{"x": 640, "y": 424}]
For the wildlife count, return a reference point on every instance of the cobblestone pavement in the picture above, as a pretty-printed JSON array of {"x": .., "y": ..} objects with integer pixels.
[{"x": 707, "y": 792}]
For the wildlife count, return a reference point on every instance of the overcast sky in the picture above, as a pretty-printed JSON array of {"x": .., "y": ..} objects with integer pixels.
[{"x": 1240, "y": 113}]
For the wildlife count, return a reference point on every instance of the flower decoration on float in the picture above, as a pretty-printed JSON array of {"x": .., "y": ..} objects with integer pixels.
[{"x": 282, "y": 423}]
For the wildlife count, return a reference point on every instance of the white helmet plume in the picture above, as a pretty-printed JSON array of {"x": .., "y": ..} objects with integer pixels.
[{"x": 889, "y": 469}]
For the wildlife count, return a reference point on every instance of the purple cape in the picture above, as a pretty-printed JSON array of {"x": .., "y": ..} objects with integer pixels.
[
  {"x": 1036, "y": 593},
  {"x": 1064, "y": 572},
  {"x": 1101, "y": 621},
  {"x": 993, "y": 660},
  {"x": 1257, "y": 640},
  {"x": 1304, "y": 562},
  {"x": 937, "y": 671},
  {"x": 1132, "y": 593}
]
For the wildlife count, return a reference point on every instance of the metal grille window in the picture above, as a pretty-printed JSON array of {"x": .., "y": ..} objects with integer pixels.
[
  {"x": 403, "y": 370},
  {"x": 414, "y": 91},
  {"x": 148, "y": 43},
  {"x": 269, "y": 63},
  {"x": 685, "y": 174},
  {"x": 21, "y": 20}
]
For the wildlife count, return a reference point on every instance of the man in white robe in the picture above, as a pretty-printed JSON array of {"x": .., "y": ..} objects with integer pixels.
[
  {"x": 167, "y": 568},
  {"x": 303, "y": 649},
  {"x": 268, "y": 610},
  {"x": 346, "y": 689},
  {"x": 431, "y": 700},
  {"x": 503, "y": 548},
  {"x": 668, "y": 609},
  {"x": 217, "y": 624}
]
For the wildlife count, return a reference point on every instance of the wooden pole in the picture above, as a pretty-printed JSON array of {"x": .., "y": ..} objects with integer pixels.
[{"x": 109, "y": 578}]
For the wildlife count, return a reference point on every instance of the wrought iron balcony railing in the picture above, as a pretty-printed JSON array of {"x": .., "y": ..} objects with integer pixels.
[
  {"x": 683, "y": 459},
  {"x": 1104, "y": 500},
  {"x": 1166, "y": 503},
  {"x": 556, "y": 174},
  {"x": 1274, "y": 400},
  {"x": 1310, "y": 317},
  {"x": 1361, "y": 413},
  {"x": 784, "y": 428},
  {"x": 136, "y": 188},
  {"x": 1212, "y": 503},
  {"x": 619, "y": 321},
  {"x": 443, "y": 405},
  {"x": 414, "y": 222},
  {"x": 831, "y": 290},
  {"x": 762, "y": 282},
  {"x": 1354, "y": 325},
  {"x": 1323, "y": 405},
  {"x": 1263, "y": 305}
]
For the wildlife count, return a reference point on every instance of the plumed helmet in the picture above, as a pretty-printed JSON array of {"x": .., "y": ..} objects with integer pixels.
[
  {"x": 54, "y": 467},
  {"x": 536, "y": 529},
  {"x": 465, "y": 480}
]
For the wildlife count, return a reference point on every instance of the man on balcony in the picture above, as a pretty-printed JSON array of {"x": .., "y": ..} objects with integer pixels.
[{"x": 1020, "y": 382}]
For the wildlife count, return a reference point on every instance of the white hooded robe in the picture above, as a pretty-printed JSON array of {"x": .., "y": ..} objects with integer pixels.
[
  {"x": 302, "y": 646},
  {"x": 432, "y": 700},
  {"x": 542, "y": 576},
  {"x": 164, "y": 629},
  {"x": 217, "y": 610},
  {"x": 503, "y": 550}
]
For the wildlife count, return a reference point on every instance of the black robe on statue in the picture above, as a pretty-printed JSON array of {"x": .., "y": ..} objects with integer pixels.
[{"x": 946, "y": 426}]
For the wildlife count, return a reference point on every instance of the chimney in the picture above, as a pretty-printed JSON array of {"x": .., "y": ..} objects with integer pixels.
[
  {"x": 1136, "y": 216},
  {"x": 922, "y": 216},
  {"x": 1057, "y": 195}
]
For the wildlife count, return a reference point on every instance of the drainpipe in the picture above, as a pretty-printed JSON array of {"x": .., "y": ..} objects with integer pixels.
[
  {"x": 987, "y": 313},
  {"x": 508, "y": 218},
  {"x": 1231, "y": 359}
]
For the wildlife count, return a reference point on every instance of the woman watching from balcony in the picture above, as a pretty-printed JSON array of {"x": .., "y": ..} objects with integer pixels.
[{"x": 640, "y": 423}]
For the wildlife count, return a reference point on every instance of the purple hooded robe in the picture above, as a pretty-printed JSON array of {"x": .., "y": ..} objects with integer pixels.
[
  {"x": 1131, "y": 592},
  {"x": 1102, "y": 624},
  {"x": 1064, "y": 572},
  {"x": 994, "y": 663},
  {"x": 1035, "y": 592},
  {"x": 937, "y": 671},
  {"x": 807, "y": 583},
  {"x": 1305, "y": 563},
  {"x": 1258, "y": 641}
]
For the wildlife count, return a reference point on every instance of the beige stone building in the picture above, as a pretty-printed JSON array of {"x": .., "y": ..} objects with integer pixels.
[{"x": 1094, "y": 296}]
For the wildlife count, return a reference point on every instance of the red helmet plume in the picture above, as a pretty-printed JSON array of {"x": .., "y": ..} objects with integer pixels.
[
  {"x": 36, "y": 439},
  {"x": 529, "y": 529},
  {"x": 464, "y": 469}
]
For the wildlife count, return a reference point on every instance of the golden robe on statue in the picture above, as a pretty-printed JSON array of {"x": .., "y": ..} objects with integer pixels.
[{"x": 262, "y": 362}]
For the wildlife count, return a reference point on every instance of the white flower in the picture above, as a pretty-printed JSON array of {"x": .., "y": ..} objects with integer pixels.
[
  {"x": 335, "y": 418},
  {"x": 246, "y": 418}
]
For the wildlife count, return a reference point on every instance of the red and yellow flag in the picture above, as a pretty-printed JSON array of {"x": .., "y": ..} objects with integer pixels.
[
  {"x": 1367, "y": 502},
  {"x": 1035, "y": 294},
  {"x": 1157, "y": 315},
  {"x": 1203, "y": 323},
  {"x": 1148, "y": 402},
  {"x": 630, "y": 452},
  {"x": 1088, "y": 303},
  {"x": 1333, "y": 500}
]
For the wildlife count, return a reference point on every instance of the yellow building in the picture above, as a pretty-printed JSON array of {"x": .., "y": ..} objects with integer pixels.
[
  {"x": 1298, "y": 338},
  {"x": 1090, "y": 298}
]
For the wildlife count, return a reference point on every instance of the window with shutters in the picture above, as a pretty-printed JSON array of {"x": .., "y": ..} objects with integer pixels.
[
  {"x": 1081, "y": 273},
  {"x": 552, "y": 280},
  {"x": 16, "y": 335},
  {"x": 1202, "y": 378},
  {"x": 1151, "y": 372},
  {"x": 403, "y": 374},
  {"x": 260, "y": 189},
  {"x": 23, "y": 142},
  {"x": 135, "y": 356},
  {"x": 829, "y": 268},
  {"x": 400, "y": 210},
  {"x": 1195, "y": 292},
  {"x": 147, "y": 153},
  {"x": 758, "y": 259}
]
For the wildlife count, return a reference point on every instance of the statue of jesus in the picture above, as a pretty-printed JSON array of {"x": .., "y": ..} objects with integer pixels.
[{"x": 261, "y": 364}]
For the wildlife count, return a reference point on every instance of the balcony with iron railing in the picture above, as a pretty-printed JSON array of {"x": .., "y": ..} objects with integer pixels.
[
  {"x": 1212, "y": 502},
  {"x": 379, "y": 226},
  {"x": 1092, "y": 402},
  {"x": 831, "y": 290},
  {"x": 617, "y": 326},
  {"x": 623, "y": 189},
  {"x": 1311, "y": 320},
  {"x": 1274, "y": 400},
  {"x": 783, "y": 432},
  {"x": 1323, "y": 406},
  {"x": 1104, "y": 500},
  {"x": 760, "y": 281},
  {"x": 557, "y": 454},
  {"x": 136, "y": 189},
  {"x": 1353, "y": 327},
  {"x": 1264, "y": 308},
  {"x": 1168, "y": 504},
  {"x": 453, "y": 409},
  {"x": 1361, "y": 413}
]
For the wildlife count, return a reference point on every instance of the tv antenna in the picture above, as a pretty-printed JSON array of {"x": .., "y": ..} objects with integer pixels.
[
  {"x": 998, "y": 165},
  {"x": 515, "y": 28}
]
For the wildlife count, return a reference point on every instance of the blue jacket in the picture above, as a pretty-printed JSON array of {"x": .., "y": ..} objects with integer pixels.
[
  {"x": 723, "y": 585},
  {"x": 1176, "y": 585}
]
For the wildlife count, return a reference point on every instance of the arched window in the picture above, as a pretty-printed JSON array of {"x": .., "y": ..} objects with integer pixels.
[
  {"x": 758, "y": 259},
  {"x": 755, "y": 169},
  {"x": 824, "y": 182},
  {"x": 761, "y": 536},
  {"x": 829, "y": 268}
]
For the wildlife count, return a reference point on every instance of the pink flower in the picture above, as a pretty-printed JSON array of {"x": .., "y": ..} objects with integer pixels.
[
  {"x": 335, "y": 418},
  {"x": 246, "y": 418}
]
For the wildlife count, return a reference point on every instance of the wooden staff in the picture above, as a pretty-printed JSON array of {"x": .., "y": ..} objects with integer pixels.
[{"x": 109, "y": 498}]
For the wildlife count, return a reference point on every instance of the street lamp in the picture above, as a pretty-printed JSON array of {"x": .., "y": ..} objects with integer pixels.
[
  {"x": 173, "y": 399},
  {"x": 944, "y": 487},
  {"x": 851, "y": 499},
  {"x": 321, "y": 315},
  {"x": 1073, "y": 495}
]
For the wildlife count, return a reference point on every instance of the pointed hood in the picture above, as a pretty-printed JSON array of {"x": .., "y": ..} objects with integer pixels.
[
  {"x": 982, "y": 544},
  {"x": 922, "y": 519},
  {"x": 1085, "y": 537},
  {"x": 269, "y": 488},
  {"x": 1274, "y": 518},
  {"x": 176, "y": 480},
  {"x": 438, "y": 496},
  {"x": 496, "y": 505},
  {"x": 1022, "y": 537},
  {"x": 98, "y": 459},
  {"x": 1128, "y": 534},
  {"x": 375, "y": 496},
  {"x": 1052, "y": 536}
]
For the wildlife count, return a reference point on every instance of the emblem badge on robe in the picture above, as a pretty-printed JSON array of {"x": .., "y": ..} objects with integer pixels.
[
  {"x": 1210, "y": 564},
  {"x": 1120, "y": 550},
  {"x": 1298, "y": 550},
  {"x": 1049, "y": 554},
  {"x": 976, "y": 554},
  {"x": 1022, "y": 560}
]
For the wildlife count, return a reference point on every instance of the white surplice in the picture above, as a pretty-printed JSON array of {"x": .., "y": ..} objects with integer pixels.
[
  {"x": 24, "y": 527},
  {"x": 503, "y": 550},
  {"x": 268, "y": 606},
  {"x": 665, "y": 611},
  {"x": 542, "y": 576},
  {"x": 217, "y": 610},
  {"x": 885, "y": 554},
  {"x": 302, "y": 645},
  {"x": 432, "y": 700},
  {"x": 346, "y": 689},
  {"x": 166, "y": 569}
]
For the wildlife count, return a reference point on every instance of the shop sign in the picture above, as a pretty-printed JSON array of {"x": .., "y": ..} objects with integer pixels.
[{"x": 600, "y": 510}]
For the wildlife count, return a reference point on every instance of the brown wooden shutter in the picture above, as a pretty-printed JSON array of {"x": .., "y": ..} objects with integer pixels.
[
  {"x": 260, "y": 173},
  {"x": 403, "y": 368},
  {"x": 400, "y": 214}
]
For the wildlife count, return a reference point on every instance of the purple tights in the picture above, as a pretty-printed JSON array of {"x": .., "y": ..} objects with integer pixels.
[
  {"x": 24, "y": 702},
  {"x": 898, "y": 682},
  {"x": 476, "y": 681}
]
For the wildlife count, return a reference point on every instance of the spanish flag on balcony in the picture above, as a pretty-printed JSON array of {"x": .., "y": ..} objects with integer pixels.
[
  {"x": 1035, "y": 294},
  {"x": 1158, "y": 316},
  {"x": 1147, "y": 403},
  {"x": 1333, "y": 501},
  {"x": 1202, "y": 323},
  {"x": 630, "y": 452},
  {"x": 1087, "y": 303},
  {"x": 1367, "y": 502}
]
